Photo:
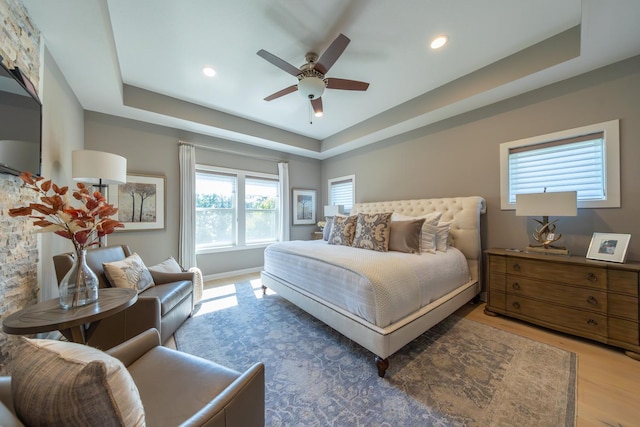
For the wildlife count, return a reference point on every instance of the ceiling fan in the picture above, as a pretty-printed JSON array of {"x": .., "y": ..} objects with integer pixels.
[{"x": 312, "y": 79}]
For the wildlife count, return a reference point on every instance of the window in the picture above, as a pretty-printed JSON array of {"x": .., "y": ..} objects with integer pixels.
[
  {"x": 341, "y": 192},
  {"x": 235, "y": 208},
  {"x": 585, "y": 160}
]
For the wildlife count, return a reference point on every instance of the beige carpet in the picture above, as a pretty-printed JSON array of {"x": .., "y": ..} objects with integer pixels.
[{"x": 460, "y": 373}]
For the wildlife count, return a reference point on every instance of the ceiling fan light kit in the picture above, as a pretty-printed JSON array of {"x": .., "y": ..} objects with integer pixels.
[{"x": 312, "y": 80}]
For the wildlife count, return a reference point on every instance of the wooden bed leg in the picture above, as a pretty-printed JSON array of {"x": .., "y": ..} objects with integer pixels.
[
  {"x": 264, "y": 290},
  {"x": 382, "y": 365}
]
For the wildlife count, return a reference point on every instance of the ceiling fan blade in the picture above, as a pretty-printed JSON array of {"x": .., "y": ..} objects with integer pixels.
[
  {"x": 280, "y": 63},
  {"x": 331, "y": 55},
  {"x": 345, "y": 84},
  {"x": 317, "y": 107},
  {"x": 282, "y": 92}
]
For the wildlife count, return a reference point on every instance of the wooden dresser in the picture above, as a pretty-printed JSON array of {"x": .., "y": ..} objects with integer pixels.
[{"x": 591, "y": 299}]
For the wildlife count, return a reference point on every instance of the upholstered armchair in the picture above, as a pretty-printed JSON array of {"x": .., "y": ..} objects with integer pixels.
[
  {"x": 164, "y": 306},
  {"x": 138, "y": 382}
]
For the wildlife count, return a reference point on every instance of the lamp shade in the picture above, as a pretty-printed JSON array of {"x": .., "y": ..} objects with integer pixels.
[
  {"x": 98, "y": 167},
  {"x": 332, "y": 210},
  {"x": 562, "y": 203}
]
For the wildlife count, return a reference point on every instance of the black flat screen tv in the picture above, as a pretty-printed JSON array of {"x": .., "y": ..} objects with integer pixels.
[{"x": 20, "y": 126}]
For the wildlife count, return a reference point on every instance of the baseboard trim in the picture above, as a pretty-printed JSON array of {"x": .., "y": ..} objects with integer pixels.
[{"x": 227, "y": 274}]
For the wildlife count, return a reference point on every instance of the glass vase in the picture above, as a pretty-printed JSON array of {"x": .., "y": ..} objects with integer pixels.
[{"x": 80, "y": 285}]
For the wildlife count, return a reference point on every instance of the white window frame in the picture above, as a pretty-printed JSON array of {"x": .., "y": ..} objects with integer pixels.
[
  {"x": 331, "y": 181},
  {"x": 611, "y": 130},
  {"x": 240, "y": 216}
]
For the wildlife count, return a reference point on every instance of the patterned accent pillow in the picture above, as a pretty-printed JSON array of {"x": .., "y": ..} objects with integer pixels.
[
  {"x": 405, "y": 236},
  {"x": 128, "y": 273},
  {"x": 67, "y": 384},
  {"x": 343, "y": 229},
  {"x": 372, "y": 231}
]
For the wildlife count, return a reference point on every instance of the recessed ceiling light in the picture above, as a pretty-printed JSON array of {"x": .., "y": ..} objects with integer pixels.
[
  {"x": 209, "y": 71},
  {"x": 438, "y": 42}
]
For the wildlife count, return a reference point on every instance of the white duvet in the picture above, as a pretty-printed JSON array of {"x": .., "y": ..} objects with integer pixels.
[{"x": 379, "y": 287}]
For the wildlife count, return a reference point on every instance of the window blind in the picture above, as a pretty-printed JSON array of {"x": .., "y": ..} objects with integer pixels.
[
  {"x": 342, "y": 194},
  {"x": 575, "y": 164}
]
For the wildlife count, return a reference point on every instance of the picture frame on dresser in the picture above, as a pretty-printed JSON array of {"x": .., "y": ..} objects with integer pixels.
[{"x": 609, "y": 247}]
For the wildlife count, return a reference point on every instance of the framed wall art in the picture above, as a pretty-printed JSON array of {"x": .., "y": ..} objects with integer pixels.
[
  {"x": 304, "y": 207},
  {"x": 609, "y": 247},
  {"x": 140, "y": 202}
]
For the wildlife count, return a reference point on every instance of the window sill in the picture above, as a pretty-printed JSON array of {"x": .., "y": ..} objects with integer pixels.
[{"x": 232, "y": 248}]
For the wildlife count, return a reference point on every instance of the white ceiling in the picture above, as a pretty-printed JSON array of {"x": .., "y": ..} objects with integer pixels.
[{"x": 142, "y": 59}]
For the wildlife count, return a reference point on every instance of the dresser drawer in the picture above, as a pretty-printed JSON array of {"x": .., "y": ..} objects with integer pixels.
[
  {"x": 623, "y": 281},
  {"x": 497, "y": 263},
  {"x": 623, "y": 331},
  {"x": 587, "y": 324},
  {"x": 624, "y": 306},
  {"x": 583, "y": 275},
  {"x": 556, "y": 293}
]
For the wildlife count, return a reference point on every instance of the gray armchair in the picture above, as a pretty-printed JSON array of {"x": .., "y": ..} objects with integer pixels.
[
  {"x": 164, "y": 306},
  {"x": 178, "y": 389}
]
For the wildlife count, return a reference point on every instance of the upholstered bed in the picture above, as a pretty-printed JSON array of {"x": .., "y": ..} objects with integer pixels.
[{"x": 383, "y": 300}]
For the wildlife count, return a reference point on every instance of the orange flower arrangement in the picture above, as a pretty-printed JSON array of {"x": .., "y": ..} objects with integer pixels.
[{"x": 83, "y": 225}]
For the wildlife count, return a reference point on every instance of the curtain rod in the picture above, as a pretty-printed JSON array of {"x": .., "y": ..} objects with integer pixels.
[{"x": 237, "y": 153}]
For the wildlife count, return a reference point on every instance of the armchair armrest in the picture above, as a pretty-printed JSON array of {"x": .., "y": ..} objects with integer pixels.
[
  {"x": 241, "y": 403},
  {"x": 161, "y": 278},
  {"x": 134, "y": 348},
  {"x": 8, "y": 417}
]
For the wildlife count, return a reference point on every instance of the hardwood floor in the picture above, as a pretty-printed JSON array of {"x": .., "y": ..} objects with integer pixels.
[
  {"x": 608, "y": 381},
  {"x": 608, "y": 392}
]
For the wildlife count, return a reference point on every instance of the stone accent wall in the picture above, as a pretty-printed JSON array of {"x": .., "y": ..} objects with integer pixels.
[
  {"x": 19, "y": 46},
  {"x": 19, "y": 40}
]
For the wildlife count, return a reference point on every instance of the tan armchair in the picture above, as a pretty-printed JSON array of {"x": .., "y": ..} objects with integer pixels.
[
  {"x": 177, "y": 388},
  {"x": 164, "y": 306}
]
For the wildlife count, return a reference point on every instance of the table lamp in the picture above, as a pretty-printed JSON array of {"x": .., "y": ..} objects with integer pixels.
[
  {"x": 563, "y": 203},
  {"x": 100, "y": 169}
]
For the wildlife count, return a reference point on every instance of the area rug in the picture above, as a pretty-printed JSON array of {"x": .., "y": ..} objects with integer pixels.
[{"x": 459, "y": 373}]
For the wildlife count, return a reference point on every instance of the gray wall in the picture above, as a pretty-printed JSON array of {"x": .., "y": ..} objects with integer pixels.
[
  {"x": 460, "y": 156},
  {"x": 153, "y": 150}
]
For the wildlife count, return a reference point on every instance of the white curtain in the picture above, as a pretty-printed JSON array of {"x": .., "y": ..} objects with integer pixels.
[
  {"x": 285, "y": 208},
  {"x": 187, "y": 255}
]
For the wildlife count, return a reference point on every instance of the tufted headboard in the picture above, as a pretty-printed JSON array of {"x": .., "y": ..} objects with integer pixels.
[{"x": 464, "y": 212}]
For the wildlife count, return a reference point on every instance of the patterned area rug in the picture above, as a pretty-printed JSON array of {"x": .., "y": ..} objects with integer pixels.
[{"x": 459, "y": 373}]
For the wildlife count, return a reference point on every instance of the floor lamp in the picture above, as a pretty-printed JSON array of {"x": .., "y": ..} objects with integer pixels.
[{"x": 99, "y": 169}]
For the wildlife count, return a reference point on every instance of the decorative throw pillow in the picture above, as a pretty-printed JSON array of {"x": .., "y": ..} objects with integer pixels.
[
  {"x": 405, "y": 236},
  {"x": 342, "y": 230},
  {"x": 442, "y": 236},
  {"x": 429, "y": 229},
  {"x": 67, "y": 384},
  {"x": 326, "y": 231},
  {"x": 128, "y": 273},
  {"x": 169, "y": 265},
  {"x": 372, "y": 231}
]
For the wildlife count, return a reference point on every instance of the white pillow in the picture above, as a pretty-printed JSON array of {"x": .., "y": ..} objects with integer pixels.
[
  {"x": 61, "y": 383},
  {"x": 429, "y": 229},
  {"x": 128, "y": 273},
  {"x": 169, "y": 265},
  {"x": 442, "y": 236}
]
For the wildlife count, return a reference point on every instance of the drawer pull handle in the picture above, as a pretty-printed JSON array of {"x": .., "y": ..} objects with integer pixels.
[
  {"x": 592, "y": 277},
  {"x": 591, "y": 300},
  {"x": 592, "y": 322},
  {"x": 516, "y": 305},
  {"x": 516, "y": 267},
  {"x": 516, "y": 286}
]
